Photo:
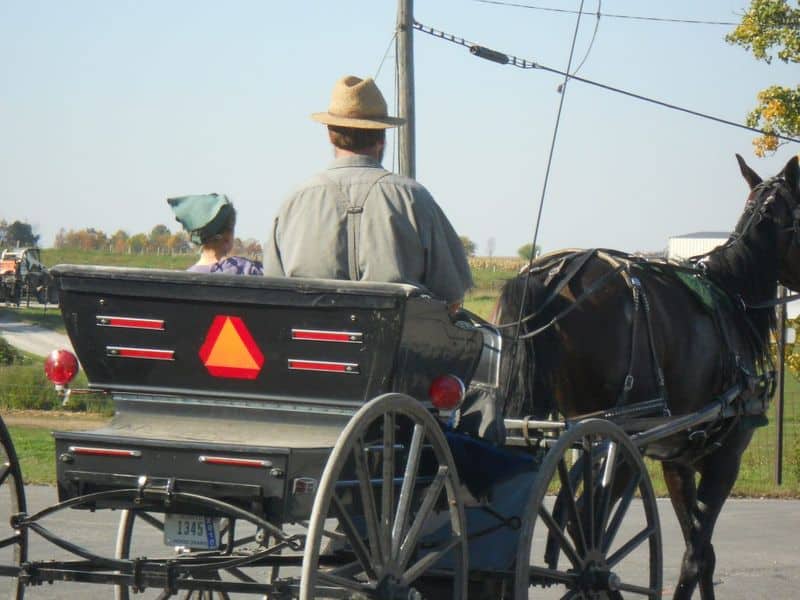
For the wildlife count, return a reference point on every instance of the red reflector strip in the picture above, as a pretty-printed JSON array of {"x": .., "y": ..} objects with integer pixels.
[
  {"x": 318, "y": 335},
  {"x": 227, "y": 461},
  {"x": 148, "y": 353},
  {"x": 130, "y": 322},
  {"x": 299, "y": 364},
  {"x": 105, "y": 452}
]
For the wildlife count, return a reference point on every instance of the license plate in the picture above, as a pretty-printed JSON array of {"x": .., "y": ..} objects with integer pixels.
[{"x": 191, "y": 531}]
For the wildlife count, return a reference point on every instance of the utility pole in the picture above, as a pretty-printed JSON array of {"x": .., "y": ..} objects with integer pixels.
[
  {"x": 781, "y": 366},
  {"x": 405, "y": 92}
]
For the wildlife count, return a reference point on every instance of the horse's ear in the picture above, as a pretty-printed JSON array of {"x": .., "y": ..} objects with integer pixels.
[
  {"x": 791, "y": 173},
  {"x": 749, "y": 175}
]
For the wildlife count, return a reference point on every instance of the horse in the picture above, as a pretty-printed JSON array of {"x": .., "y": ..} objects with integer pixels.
[{"x": 597, "y": 330}]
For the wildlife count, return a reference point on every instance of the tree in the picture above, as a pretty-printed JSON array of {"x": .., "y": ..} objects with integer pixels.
[
  {"x": 525, "y": 251},
  {"x": 469, "y": 246},
  {"x": 771, "y": 28},
  {"x": 20, "y": 234},
  {"x": 119, "y": 241},
  {"x": 159, "y": 237},
  {"x": 137, "y": 243}
]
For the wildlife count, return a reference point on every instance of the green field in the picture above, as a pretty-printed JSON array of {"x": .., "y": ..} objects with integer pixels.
[{"x": 52, "y": 257}]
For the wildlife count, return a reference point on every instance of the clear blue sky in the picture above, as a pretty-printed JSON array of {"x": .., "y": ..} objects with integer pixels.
[{"x": 107, "y": 107}]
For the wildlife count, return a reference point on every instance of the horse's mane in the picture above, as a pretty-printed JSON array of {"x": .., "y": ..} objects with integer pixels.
[{"x": 747, "y": 269}]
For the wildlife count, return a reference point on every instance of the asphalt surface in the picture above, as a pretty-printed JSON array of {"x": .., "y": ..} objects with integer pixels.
[
  {"x": 32, "y": 338},
  {"x": 757, "y": 544}
]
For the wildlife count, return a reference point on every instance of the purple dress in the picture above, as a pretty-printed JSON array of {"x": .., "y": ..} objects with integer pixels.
[{"x": 232, "y": 265}]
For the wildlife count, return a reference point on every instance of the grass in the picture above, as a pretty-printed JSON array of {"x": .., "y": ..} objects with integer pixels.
[
  {"x": 53, "y": 256},
  {"x": 35, "y": 448},
  {"x": 48, "y": 316}
]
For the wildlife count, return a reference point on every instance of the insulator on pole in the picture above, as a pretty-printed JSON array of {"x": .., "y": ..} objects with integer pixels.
[{"x": 489, "y": 54}]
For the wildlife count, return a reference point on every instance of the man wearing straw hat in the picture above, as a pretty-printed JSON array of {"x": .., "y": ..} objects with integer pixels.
[{"x": 358, "y": 221}]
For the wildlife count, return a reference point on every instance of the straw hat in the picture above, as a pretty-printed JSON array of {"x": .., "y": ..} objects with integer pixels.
[{"x": 357, "y": 103}]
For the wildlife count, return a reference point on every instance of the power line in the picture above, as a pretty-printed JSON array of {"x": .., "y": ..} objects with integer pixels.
[
  {"x": 609, "y": 15},
  {"x": 521, "y": 63}
]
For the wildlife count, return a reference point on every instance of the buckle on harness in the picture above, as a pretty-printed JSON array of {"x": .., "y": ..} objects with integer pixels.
[{"x": 628, "y": 383}]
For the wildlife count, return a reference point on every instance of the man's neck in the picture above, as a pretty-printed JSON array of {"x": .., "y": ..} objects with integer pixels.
[{"x": 371, "y": 153}]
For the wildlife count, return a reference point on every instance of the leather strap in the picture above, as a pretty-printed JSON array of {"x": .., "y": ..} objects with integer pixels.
[{"x": 354, "y": 208}]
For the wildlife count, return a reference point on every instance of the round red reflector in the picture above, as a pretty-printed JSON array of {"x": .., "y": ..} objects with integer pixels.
[
  {"x": 61, "y": 366},
  {"x": 446, "y": 392}
]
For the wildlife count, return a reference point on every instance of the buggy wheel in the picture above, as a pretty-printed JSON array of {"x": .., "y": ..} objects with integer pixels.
[
  {"x": 146, "y": 528},
  {"x": 602, "y": 539},
  {"x": 13, "y": 542},
  {"x": 400, "y": 543}
]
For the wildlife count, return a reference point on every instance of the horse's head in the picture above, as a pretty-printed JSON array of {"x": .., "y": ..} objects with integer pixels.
[{"x": 774, "y": 208}]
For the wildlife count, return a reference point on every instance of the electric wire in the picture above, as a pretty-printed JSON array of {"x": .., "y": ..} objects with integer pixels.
[
  {"x": 514, "y": 61},
  {"x": 591, "y": 42},
  {"x": 609, "y": 15},
  {"x": 551, "y": 153}
]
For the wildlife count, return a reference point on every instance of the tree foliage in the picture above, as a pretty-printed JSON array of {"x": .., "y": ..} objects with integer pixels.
[
  {"x": 771, "y": 28},
  {"x": 20, "y": 234},
  {"x": 470, "y": 247},
  {"x": 524, "y": 251}
]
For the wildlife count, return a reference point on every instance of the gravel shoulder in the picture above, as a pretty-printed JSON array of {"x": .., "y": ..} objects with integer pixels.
[{"x": 49, "y": 419}]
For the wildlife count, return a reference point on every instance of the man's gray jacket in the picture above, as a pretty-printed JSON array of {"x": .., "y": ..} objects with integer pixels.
[{"x": 397, "y": 232}]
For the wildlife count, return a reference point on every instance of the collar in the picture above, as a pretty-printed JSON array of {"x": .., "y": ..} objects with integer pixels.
[{"x": 359, "y": 160}]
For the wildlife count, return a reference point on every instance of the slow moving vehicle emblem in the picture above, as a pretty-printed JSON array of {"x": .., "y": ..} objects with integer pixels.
[{"x": 229, "y": 349}]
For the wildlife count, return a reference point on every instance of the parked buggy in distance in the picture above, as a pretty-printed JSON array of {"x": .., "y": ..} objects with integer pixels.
[{"x": 294, "y": 438}]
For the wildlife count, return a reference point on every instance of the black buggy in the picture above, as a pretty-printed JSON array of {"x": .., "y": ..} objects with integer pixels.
[{"x": 305, "y": 438}]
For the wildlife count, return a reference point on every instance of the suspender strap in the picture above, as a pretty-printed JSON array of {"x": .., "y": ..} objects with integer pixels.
[{"x": 354, "y": 209}]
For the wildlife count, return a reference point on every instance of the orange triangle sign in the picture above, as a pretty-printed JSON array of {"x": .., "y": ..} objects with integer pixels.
[{"x": 230, "y": 351}]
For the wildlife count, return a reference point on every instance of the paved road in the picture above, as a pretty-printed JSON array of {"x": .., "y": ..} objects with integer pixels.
[
  {"x": 757, "y": 545},
  {"x": 31, "y": 338}
]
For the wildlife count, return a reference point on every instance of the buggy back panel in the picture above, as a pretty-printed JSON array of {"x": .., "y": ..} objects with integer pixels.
[{"x": 258, "y": 338}]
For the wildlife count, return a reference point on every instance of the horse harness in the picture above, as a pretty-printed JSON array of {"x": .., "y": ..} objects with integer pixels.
[{"x": 702, "y": 440}]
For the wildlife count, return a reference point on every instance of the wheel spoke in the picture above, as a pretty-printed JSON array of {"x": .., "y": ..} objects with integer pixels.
[
  {"x": 368, "y": 502},
  {"x": 348, "y": 584},
  {"x": 428, "y": 502},
  {"x": 430, "y": 559},
  {"x": 5, "y": 473},
  {"x": 630, "y": 546},
  {"x": 407, "y": 488},
  {"x": 387, "y": 491},
  {"x": 349, "y": 570},
  {"x": 353, "y": 536},
  {"x": 638, "y": 589},
  {"x": 552, "y": 575},
  {"x": 571, "y": 595},
  {"x": 588, "y": 491},
  {"x": 607, "y": 483},
  {"x": 624, "y": 504},
  {"x": 565, "y": 544},
  {"x": 566, "y": 484}
]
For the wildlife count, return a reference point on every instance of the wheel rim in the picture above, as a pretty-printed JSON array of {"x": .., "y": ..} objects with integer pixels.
[
  {"x": 591, "y": 545},
  {"x": 13, "y": 543},
  {"x": 390, "y": 550}
]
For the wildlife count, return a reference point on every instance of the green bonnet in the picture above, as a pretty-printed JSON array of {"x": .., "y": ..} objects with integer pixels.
[{"x": 203, "y": 215}]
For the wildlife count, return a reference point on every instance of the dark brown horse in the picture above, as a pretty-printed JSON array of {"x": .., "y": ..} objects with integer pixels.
[{"x": 600, "y": 329}]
